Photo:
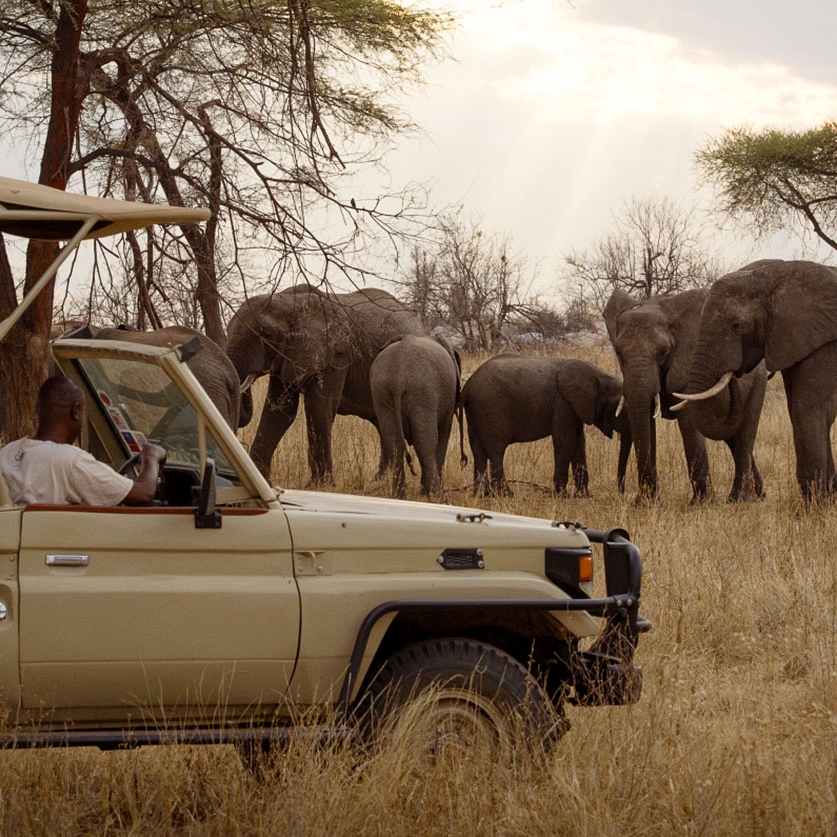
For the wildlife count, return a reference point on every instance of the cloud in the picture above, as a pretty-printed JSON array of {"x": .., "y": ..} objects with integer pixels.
[
  {"x": 564, "y": 67},
  {"x": 549, "y": 119}
]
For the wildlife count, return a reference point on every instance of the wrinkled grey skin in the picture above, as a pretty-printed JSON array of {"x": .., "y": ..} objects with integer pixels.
[
  {"x": 511, "y": 399},
  {"x": 319, "y": 346},
  {"x": 415, "y": 391},
  {"x": 785, "y": 313},
  {"x": 654, "y": 342},
  {"x": 210, "y": 365}
]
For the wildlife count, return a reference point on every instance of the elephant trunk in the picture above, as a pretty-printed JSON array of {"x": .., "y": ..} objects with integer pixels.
[
  {"x": 717, "y": 412},
  {"x": 641, "y": 397},
  {"x": 245, "y": 410},
  {"x": 714, "y": 397}
]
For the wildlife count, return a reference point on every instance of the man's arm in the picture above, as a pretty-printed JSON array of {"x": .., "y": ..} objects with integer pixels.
[{"x": 151, "y": 459}]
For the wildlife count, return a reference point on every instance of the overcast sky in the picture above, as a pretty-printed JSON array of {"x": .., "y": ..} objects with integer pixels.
[{"x": 550, "y": 115}]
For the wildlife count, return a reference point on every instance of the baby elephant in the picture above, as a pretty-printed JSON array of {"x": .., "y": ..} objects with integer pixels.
[
  {"x": 521, "y": 399},
  {"x": 415, "y": 390}
]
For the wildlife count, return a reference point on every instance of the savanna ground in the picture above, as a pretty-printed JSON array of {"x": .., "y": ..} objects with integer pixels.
[{"x": 735, "y": 733}]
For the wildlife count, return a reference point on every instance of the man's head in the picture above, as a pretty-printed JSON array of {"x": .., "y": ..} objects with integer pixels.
[{"x": 60, "y": 410}]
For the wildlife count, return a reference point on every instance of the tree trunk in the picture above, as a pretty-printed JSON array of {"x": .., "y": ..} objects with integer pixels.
[{"x": 24, "y": 351}]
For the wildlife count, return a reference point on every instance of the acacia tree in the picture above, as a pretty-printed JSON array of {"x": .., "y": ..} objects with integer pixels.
[
  {"x": 771, "y": 179},
  {"x": 255, "y": 108},
  {"x": 655, "y": 248}
]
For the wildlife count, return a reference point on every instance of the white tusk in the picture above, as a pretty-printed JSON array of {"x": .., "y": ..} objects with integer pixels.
[
  {"x": 657, "y": 406},
  {"x": 248, "y": 382},
  {"x": 620, "y": 405},
  {"x": 702, "y": 396},
  {"x": 678, "y": 406}
]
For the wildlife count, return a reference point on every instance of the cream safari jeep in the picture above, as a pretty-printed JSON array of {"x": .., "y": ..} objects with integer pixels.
[{"x": 230, "y": 609}]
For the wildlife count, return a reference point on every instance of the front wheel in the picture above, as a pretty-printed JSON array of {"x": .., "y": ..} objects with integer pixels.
[{"x": 459, "y": 695}]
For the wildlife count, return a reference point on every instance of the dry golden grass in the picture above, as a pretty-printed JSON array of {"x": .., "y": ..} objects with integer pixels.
[{"x": 735, "y": 732}]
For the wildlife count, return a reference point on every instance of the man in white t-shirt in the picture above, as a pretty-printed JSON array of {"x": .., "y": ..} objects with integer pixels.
[{"x": 48, "y": 468}]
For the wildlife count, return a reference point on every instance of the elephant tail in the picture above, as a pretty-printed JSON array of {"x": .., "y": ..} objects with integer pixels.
[
  {"x": 401, "y": 441},
  {"x": 460, "y": 415}
]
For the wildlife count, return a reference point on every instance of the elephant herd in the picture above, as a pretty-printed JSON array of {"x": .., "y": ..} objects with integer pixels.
[{"x": 701, "y": 358}]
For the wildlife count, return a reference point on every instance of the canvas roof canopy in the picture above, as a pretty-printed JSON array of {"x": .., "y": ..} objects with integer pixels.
[{"x": 34, "y": 211}]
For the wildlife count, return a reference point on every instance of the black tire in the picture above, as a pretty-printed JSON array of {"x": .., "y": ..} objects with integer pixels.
[{"x": 459, "y": 694}]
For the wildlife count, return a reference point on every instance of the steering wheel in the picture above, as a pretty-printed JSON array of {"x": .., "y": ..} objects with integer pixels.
[{"x": 130, "y": 464}]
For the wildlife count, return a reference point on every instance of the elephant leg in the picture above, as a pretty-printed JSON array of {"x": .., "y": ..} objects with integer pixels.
[
  {"x": 399, "y": 476},
  {"x": 747, "y": 482},
  {"x": 443, "y": 431},
  {"x": 758, "y": 483},
  {"x": 581, "y": 476},
  {"x": 321, "y": 403},
  {"x": 622, "y": 465},
  {"x": 569, "y": 453},
  {"x": 697, "y": 459},
  {"x": 563, "y": 446},
  {"x": 426, "y": 443},
  {"x": 499, "y": 484},
  {"x": 811, "y": 406},
  {"x": 480, "y": 458},
  {"x": 278, "y": 414},
  {"x": 743, "y": 482},
  {"x": 812, "y": 446},
  {"x": 496, "y": 453},
  {"x": 388, "y": 433}
]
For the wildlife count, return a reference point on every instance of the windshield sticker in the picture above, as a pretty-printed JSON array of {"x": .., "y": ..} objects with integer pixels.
[
  {"x": 104, "y": 397},
  {"x": 133, "y": 440},
  {"x": 117, "y": 418}
]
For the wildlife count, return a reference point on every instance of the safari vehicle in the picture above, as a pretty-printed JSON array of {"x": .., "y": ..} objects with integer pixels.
[{"x": 230, "y": 608}]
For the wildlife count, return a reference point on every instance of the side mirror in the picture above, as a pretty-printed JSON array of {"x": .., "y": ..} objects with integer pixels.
[{"x": 206, "y": 515}]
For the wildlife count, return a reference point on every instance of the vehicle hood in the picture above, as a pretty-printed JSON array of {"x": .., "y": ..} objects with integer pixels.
[{"x": 428, "y": 522}]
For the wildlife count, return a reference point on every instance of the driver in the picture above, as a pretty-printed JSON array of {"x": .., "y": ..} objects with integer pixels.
[{"x": 49, "y": 468}]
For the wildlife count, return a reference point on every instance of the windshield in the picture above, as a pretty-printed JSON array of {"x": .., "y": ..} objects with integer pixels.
[{"x": 142, "y": 404}]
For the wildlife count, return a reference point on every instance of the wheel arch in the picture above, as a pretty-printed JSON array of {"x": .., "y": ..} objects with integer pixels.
[{"x": 524, "y": 630}]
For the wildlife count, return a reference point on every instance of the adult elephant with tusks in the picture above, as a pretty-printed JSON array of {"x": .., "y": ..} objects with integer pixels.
[
  {"x": 317, "y": 345},
  {"x": 654, "y": 342},
  {"x": 784, "y": 313}
]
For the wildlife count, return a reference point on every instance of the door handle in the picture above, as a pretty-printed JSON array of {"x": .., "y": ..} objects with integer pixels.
[{"x": 65, "y": 560}]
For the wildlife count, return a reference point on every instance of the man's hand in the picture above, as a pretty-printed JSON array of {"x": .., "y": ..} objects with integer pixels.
[
  {"x": 152, "y": 453},
  {"x": 151, "y": 459}
]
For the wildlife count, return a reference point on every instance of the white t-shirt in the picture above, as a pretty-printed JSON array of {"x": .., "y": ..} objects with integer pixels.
[{"x": 47, "y": 472}]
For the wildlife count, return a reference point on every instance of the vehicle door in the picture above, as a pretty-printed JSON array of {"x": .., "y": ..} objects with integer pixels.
[{"x": 139, "y": 611}]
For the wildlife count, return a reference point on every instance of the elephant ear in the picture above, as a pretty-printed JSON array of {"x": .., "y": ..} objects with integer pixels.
[
  {"x": 619, "y": 302},
  {"x": 682, "y": 312},
  {"x": 448, "y": 347},
  {"x": 578, "y": 382},
  {"x": 803, "y": 311}
]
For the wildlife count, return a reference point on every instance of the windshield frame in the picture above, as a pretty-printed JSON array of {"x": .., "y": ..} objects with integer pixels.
[{"x": 67, "y": 351}]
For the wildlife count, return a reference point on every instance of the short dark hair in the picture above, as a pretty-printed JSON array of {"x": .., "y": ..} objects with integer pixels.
[{"x": 57, "y": 394}]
